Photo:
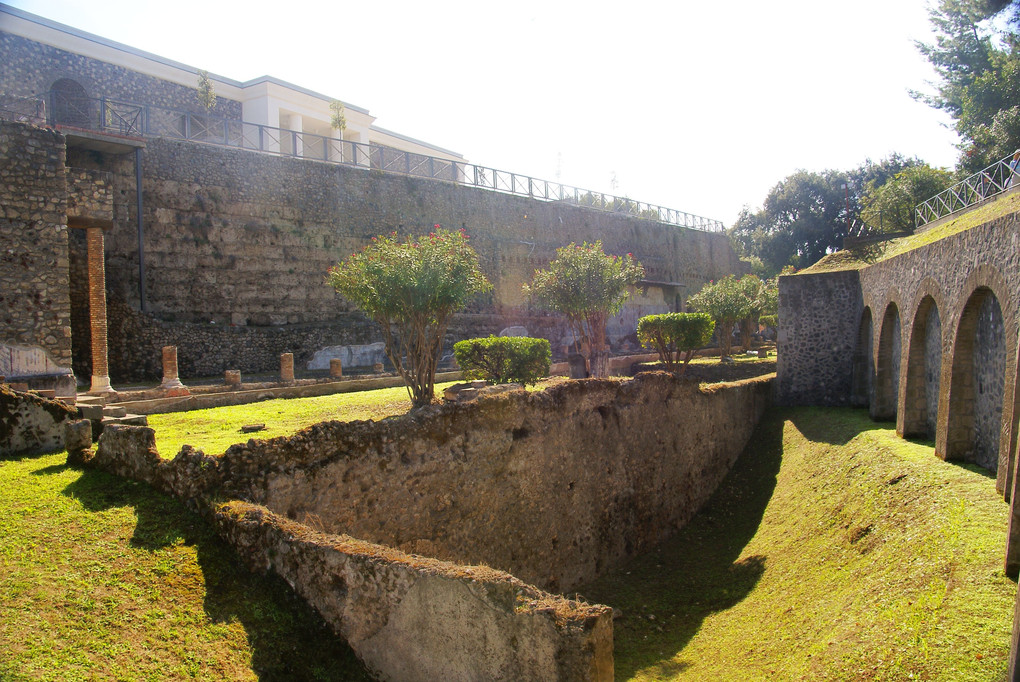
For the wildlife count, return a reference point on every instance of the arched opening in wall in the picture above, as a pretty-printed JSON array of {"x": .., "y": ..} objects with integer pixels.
[
  {"x": 887, "y": 366},
  {"x": 976, "y": 394},
  {"x": 69, "y": 103},
  {"x": 862, "y": 387},
  {"x": 924, "y": 366}
]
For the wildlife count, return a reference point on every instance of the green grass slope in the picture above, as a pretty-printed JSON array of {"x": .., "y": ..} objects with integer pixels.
[
  {"x": 834, "y": 550},
  {"x": 105, "y": 579}
]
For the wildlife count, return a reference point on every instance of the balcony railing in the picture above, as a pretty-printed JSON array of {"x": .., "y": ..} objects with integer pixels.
[
  {"x": 138, "y": 120},
  {"x": 987, "y": 183}
]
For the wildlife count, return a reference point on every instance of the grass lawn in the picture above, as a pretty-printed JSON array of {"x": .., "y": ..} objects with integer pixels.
[
  {"x": 834, "y": 550},
  {"x": 106, "y": 579},
  {"x": 215, "y": 429}
]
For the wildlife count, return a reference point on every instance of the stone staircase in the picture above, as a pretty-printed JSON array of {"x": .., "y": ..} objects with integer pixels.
[{"x": 95, "y": 409}]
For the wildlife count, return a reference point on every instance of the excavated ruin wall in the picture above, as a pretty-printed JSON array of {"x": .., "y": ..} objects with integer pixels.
[{"x": 553, "y": 486}]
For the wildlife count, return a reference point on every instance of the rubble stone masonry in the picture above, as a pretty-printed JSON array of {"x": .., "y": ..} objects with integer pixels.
[{"x": 35, "y": 305}]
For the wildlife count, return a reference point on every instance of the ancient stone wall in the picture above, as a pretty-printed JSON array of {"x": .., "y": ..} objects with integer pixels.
[
  {"x": 35, "y": 304},
  {"x": 976, "y": 352},
  {"x": 818, "y": 319},
  {"x": 30, "y": 424},
  {"x": 554, "y": 486},
  {"x": 29, "y": 68},
  {"x": 230, "y": 240},
  {"x": 412, "y": 618}
]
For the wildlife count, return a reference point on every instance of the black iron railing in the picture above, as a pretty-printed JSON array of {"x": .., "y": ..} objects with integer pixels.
[{"x": 139, "y": 120}]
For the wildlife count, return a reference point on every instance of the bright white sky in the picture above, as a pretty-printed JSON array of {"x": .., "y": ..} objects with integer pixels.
[{"x": 698, "y": 106}]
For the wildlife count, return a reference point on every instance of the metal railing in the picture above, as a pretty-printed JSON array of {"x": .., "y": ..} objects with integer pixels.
[
  {"x": 140, "y": 120},
  {"x": 987, "y": 183}
]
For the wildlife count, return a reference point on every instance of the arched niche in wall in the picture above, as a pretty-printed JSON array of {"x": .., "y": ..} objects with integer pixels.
[
  {"x": 69, "y": 103},
  {"x": 924, "y": 367},
  {"x": 887, "y": 366},
  {"x": 862, "y": 387},
  {"x": 978, "y": 377}
]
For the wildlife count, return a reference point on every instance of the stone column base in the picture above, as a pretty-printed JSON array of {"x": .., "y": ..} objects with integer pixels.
[{"x": 101, "y": 385}]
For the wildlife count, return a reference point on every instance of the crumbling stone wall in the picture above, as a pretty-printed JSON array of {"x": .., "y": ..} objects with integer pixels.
[
  {"x": 30, "y": 424},
  {"x": 35, "y": 303},
  {"x": 412, "y": 618},
  {"x": 553, "y": 486}
]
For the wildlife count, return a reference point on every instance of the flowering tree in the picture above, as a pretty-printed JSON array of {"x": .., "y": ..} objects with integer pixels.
[
  {"x": 412, "y": 289},
  {"x": 588, "y": 287}
]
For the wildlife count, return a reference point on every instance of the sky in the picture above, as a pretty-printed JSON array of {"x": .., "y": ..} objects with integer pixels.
[{"x": 696, "y": 106}]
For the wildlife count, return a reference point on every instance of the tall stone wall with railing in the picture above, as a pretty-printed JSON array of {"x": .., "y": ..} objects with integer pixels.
[{"x": 242, "y": 239}]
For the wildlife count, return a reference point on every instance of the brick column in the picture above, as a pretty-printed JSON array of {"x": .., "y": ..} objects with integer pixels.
[
  {"x": 336, "y": 368},
  {"x": 287, "y": 368},
  {"x": 171, "y": 381},
  {"x": 97, "y": 311}
]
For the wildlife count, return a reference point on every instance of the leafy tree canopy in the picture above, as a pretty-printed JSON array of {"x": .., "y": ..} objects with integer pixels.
[
  {"x": 588, "y": 287},
  {"x": 976, "y": 54},
  {"x": 890, "y": 206},
  {"x": 675, "y": 336},
  {"x": 412, "y": 289},
  {"x": 806, "y": 214}
]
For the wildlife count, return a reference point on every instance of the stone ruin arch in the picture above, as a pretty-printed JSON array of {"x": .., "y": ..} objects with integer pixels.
[
  {"x": 887, "y": 366},
  {"x": 919, "y": 413},
  {"x": 863, "y": 385},
  {"x": 976, "y": 392}
]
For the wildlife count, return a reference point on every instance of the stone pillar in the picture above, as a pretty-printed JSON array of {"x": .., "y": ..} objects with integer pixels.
[
  {"x": 232, "y": 378},
  {"x": 287, "y": 368},
  {"x": 171, "y": 382},
  {"x": 97, "y": 310},
  {"x": 336, "y": 368}
]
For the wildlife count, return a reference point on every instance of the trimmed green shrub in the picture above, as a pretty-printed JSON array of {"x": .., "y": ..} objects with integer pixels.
[
  {"x": 504, "y": 359},
  {"x": 675, "y": 336}
]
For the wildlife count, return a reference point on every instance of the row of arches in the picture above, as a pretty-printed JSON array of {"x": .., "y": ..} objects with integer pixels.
[{"x": 942, "y": 374}]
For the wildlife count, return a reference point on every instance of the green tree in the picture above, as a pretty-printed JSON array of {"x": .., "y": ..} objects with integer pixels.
[
  {"x": 587, "y": 287},
  {"x": 805, "y": 215},
  {"x": 976, "y": 54},
  {"x": 727, "y": 302},
  {"x": 890, "y": 207},
  {"x": 206, "y": 92},
  {"x": 337, "y": 115},
  {"x": 675, "y": 337},
  {"x": 412, "y": 289},
  {"x": 762, "y": 298}
]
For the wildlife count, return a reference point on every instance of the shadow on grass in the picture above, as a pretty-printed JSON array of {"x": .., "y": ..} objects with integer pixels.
[
  {"x": 835, "y": 425},
  {"x": 666, "y": 594},
  {"x": 288, "y": 639}
]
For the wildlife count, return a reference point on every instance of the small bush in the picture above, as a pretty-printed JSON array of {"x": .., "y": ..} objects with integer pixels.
[
  {"x": 675, "y": 336},
  {"x": 504, "y": 359}
]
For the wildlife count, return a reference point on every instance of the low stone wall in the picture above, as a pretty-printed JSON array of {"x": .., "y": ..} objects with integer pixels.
[
  {"x": 412, "y": 618},
  {"x": 553, "y": 486},
  {"x": 30, "y": 424}
]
